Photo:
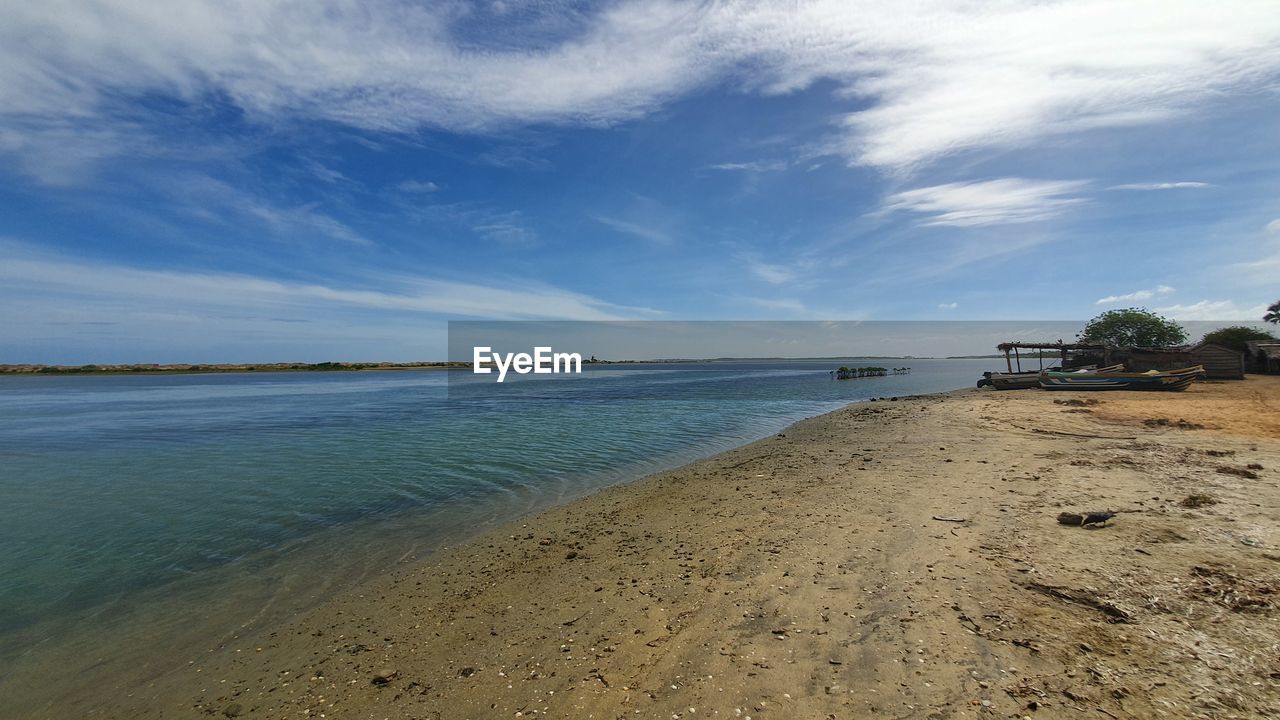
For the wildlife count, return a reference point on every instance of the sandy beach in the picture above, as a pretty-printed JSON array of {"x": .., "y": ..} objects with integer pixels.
[{"x": 898, "y": 558}]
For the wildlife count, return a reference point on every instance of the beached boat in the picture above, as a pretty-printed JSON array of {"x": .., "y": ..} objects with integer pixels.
[
  {"x": 1150, "y": 380},
  {"x": 1031, "y": 379}
]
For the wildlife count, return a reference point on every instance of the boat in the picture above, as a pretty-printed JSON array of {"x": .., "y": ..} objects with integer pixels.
[
  {"x": 1151, "y": 380},
  {"x": 1031, "y": 379}
]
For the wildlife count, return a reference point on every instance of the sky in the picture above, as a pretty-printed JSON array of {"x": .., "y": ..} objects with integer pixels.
[{"x": 259, "y": 180}]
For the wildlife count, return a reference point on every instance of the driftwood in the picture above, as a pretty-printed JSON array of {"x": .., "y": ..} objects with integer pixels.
[
  {"x": 1083, "y": 435},
  {"x": 1084, "y": 598}
]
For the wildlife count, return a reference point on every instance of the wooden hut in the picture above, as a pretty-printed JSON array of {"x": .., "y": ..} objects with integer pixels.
[
  {"x": 1264, "y": 356},
  {"x": 1142, "y": 359},
  {"x": 1218, "y": 361}
]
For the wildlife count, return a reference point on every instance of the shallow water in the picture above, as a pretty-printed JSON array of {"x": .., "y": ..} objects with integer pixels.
[{"x": 251, "y": 496}]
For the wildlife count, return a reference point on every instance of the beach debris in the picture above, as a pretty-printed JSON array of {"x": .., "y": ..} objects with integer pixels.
[
  {"x": 1197, "y": 500},
  {"x": 944, "y": 518},
  {"x": 1042, "y": 431},
  {"x": 466, "y": 672},
  {"x": 1166, "y": 422},
  {"x": 234, "y": 709},
  {"x": 383, "y": 676},
  {"x": 569, "y": 623},
  {"x": 1083, "y": 598},
  {"x": 1083, "y": 519},
  {"x": 1234, "y": 592},
  {"x": 1238, "y": 472},
  {"x": 1073, "y": 402},
  {"x": 1254, "y": 466}
]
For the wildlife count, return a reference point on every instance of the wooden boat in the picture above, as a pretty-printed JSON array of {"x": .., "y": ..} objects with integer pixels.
[
  {"x": 1150, "y": 380},
  {"x": 1031, "y": 379}
]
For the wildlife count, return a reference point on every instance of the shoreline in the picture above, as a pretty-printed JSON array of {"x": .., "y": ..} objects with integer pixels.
[
  {"x": 41, "y": 370},
  {"x": 803, "y": 574}
]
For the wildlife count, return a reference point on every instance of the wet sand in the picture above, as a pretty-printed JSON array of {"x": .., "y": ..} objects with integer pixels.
[{"x": 898, "y": 558}]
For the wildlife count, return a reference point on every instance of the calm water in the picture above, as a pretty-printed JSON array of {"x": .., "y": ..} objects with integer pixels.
[{"x": 121, "y": 493}]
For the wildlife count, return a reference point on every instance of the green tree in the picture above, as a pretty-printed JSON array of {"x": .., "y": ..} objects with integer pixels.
[
  {"x": 1132, "y": 326},
  {"x": 1236, "y": 336},
  {"x": 1273, "y": 313}
]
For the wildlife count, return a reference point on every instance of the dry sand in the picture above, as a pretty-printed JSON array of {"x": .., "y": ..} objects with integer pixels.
[{"x": 893, "y": 559}]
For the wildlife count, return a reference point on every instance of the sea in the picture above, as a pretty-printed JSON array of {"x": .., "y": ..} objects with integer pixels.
[{"x": 180, "y": 511}]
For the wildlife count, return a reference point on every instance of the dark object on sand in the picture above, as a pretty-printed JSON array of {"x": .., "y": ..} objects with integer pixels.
[
  {"x": 1197, "y": 500},
  {"x": 1081, "y": 520}
]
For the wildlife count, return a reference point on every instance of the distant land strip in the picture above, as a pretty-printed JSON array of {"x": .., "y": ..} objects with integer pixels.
[
  {"x": 224, "y": 367},
  {"x": 175, "y": 368}
]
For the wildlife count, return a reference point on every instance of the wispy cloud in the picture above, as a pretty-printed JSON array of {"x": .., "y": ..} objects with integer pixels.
[
  {"x": 1161, "y": 186},
  {"x": 983, "y": 76},
  {"x": 511, "y": 228},
  {"x": 27, "y": 274},
  {"x": 641, "y": 217},
  {"x": 769, "y": 272},
  {"x": 305, "y": 219},
  {"x": 789, "y": 305},
  {"x": 507, "y": 228},
  {"x": 322, "y": 172},
  {"x": 211, "y": 199},
  {"x": 1213, "y": 310},
  {"x": 1134, "y": 296},
  {"x": 948, "y": 306},
  {"x": 643, "y": 231},
  {"x": 988, "y": 202},
  {"x": 1265, "y": 269},
  {"x": 418, "y": 186},
  {"x": 753, "y": 166}
]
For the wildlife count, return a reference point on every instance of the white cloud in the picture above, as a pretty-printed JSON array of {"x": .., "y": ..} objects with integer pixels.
[
  {"x": 635, "y": 229},
  {"x": 753, "y": 166},
  {"x": 418, "y": 186},
  {"x": 507, "y": 228},
  {"x": 1274, "y": 226},
  {"x": 26, "y": 274},
  {"x": 1160, "y": 186},
  {"x": 1134, "y": 296},
  {"x": 948, "y": 306},
  {"x": 988, "y": 202},
  {"x": 785, "y": 304},
  {"x": 770, "y": 273},
  {"x": 936, "y": 77},
  {"x": 1262, "y": 271},
  {"x": 1213, "y": 310}
]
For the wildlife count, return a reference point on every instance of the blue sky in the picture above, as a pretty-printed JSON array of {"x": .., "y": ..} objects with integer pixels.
[{"x": 258, "y": 181}]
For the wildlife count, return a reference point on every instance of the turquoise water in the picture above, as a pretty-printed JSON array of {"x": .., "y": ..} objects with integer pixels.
[{"x": 119, "y": 491}]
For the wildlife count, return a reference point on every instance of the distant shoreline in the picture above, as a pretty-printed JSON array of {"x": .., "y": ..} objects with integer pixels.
[
  {"x": 196, "y": 369},
  {"x": 213, "y": 368}
]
